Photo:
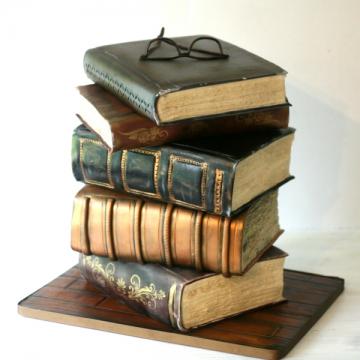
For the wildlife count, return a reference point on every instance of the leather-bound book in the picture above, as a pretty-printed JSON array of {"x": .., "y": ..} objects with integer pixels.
[
  {"x": 183, "y": 298},
  {"x": 187, "y": 88},
  {"x": 120, "y": 127},
  {"x": 121, "y": 226},
  {"x": 213, "y": 174}
]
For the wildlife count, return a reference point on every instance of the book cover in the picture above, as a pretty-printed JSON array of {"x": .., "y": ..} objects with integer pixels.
[
  {"x": 128, "y": 228},
  {"x": 214, "y": 174},
  {"x": 168, "y": 91},
  {"x": 120, "y": 127},
  {"x": 183, "y": 298}
]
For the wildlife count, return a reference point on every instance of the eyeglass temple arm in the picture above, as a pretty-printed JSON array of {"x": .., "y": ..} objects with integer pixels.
[
  {"x": 166, "y": 40},
  {"x": 162, "y": 31},
  {"x": 159, "y": 37}
]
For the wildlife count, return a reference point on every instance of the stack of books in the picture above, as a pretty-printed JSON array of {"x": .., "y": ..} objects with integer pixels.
[{"x": 184, "y": 144}]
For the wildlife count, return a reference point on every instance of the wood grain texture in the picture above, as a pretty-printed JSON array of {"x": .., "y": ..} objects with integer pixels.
[{"x": 268, "y": 333}]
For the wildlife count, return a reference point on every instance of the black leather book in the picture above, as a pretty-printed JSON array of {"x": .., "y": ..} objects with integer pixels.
[
  {"x": 186, "y": 88},
  {"x": 218, "y": 174}
]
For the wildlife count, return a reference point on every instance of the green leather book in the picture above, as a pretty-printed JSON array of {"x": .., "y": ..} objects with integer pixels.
[
  {"x": 218, "y": 175},
  {"x": 184, "y": 298},
  {"x": 186, "y": 88}
]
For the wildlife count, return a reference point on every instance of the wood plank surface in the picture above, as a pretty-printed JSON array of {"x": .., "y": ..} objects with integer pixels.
[{"x": 269, "y": 333}]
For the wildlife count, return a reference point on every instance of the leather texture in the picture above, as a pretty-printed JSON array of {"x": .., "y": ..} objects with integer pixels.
[
  {"x": 118, "y": 68},
  {"x": 123, "y": 227},
  {"x": 196, "y": 173},
  {"x": 152, "y": 289},
  {"x": 130, "y": 130}
]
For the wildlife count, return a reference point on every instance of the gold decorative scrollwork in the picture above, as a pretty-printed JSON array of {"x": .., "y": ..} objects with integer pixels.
[
  {"x": 144, "y": 135},
  {"x": 147, "y": 295}
]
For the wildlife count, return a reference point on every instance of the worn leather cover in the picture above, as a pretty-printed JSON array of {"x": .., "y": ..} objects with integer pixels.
[
  {"x": 197, "y": 173},
  {"x": 124, "y": 227},
  {"x": 152, "y": 289},
  {"x": 140, "y": 83},
  {"x": 130, "y": 129}
]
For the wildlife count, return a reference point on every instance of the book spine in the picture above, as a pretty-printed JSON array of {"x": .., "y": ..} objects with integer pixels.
[
  {"x": 169, "y": 173},
  {"x": 113, "y": 75},
  {"x": 232, "y": 124},
  {"x": 131, "y": 229},
  {"x": 149, "y": 289}
]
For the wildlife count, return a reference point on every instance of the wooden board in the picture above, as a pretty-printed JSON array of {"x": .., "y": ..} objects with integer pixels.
[{"x": 268, "y": 333}]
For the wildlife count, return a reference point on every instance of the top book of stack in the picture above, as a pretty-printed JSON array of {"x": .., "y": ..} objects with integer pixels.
[{"x": 172, "y": 91}]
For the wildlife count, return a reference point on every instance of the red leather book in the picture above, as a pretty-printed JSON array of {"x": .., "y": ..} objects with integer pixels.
[{"x": 120, "y": 127}]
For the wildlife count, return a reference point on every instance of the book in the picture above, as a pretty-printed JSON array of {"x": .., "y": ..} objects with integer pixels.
[
  {"x": 214, "y": 174},
  {"x": 186, "y": 299},
  {"x": 168, "y": 91},
  {"x": 119, "y": 127},
  {"x": 128, "y": 228}
]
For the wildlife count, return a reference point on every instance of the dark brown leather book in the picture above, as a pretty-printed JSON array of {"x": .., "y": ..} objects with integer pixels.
[
  {"x": 183, "y": 298},
  {"x": 121, "y": 226},
  {"x": 120, "y": 127},
  {"x": 179, "y": 89}
]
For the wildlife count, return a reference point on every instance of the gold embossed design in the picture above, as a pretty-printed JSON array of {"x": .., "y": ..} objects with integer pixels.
[
  {"x": 108, "y": 273},
  {"x": 147, "y": 295},
  {"x": 156, "y": 155},
  {"x": 110, "y": 184},
  {"x": 145, "y": 135},
  {"x": 219, "y": 175},
  {"x": 203, "y": 187}
]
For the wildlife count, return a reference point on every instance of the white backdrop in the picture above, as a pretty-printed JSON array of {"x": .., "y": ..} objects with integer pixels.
[
  {"x": 317, "y": 42},
  {"x": 41, "y": 50}
]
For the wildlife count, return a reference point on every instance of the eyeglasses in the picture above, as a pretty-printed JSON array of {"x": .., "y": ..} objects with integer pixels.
[{"x": 175, "y": 50}]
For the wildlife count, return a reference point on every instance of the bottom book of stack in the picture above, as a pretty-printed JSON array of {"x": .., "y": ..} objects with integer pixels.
[{"x": 184, "y": 298}]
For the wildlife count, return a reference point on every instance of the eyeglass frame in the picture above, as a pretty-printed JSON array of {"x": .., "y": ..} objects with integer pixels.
[{"x": 179, "y": 47}]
